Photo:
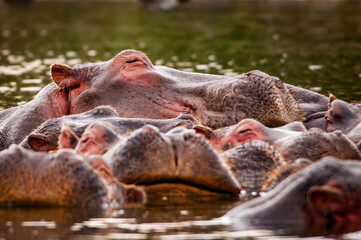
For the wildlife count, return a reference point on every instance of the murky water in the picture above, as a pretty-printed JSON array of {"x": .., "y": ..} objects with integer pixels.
[{"x": 313, "y": 44}]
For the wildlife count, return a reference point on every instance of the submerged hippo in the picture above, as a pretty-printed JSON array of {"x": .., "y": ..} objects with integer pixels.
[
  {"x": 178, "y": 162},
  {"x": 17, "y": 122},
  {"x": 250, "y": 163},
  {"x": 246, "y": 131},
  {"x": 45, "y": 137},
  {"x": 291, "y": 141},
  {"x": 97, "y": 138},
  {"x": 323, "y": 198},
  {"x": 59, "y": 179},
  {"x": 344, "y": 117}
]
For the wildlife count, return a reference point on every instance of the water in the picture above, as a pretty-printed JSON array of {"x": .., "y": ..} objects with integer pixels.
[{"x": 313, "y": 44}]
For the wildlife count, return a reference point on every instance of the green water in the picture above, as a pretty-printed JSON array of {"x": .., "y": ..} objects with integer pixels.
[{"x": 313, "y": 44}]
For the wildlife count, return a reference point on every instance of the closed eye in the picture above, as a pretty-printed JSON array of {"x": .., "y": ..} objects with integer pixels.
[
  {"x": 244, "y": 131},
  {"x": 131, "y": 60}
]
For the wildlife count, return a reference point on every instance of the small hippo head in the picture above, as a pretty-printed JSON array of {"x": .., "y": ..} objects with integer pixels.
[
  {"x": 248, "y": 130},
  {"x": 97, "y": 138},
  {"x": 341, "y": 116}
]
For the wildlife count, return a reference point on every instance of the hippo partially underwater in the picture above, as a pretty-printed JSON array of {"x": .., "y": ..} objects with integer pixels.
[
  {"x": 136, "y": 89},
  {"x": 59, "y": 179},
  {"x": 322, "y": 199},
  {"x": 102, "y": 126}
]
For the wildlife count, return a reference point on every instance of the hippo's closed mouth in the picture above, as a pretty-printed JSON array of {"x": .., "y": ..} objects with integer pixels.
[
  {"x": 183, "y": 185},
  {"x": 174, "y": 107}
]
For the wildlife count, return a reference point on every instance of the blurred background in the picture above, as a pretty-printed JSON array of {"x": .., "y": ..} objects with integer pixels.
[{"x": 313, "y": 44}]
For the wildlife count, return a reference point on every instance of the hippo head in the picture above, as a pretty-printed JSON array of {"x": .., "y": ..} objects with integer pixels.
[
  {"x": 135, "y": 88},
  {"x": 116, "y": 82},
  {"x": 341, "y": 116},
  {"x": 179, "y": 162},
  {"x": 248, "y": 130}
]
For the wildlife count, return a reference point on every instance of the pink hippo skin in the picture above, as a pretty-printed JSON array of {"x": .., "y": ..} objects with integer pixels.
[
  {"x": 290, "y": 141},
  {"x": 248, "y": 130},
  {"x": 136, "y": 89}
]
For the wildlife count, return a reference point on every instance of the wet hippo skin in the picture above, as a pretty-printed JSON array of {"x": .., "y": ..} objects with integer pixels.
[
  {"x": 63, "y": 178},
  {"x": 45, "y": 137},
  {"x": 148, "y": 91},
  {"x": 322, "y": 199},
  {"x": 136, "y": 89}
]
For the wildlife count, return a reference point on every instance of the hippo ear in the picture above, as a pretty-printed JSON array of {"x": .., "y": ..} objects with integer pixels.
[
  {"x": 68, "y": 138},
  {"x": 327, "y": 199},
  {"x": 205, "y": 131},
  {"x": 63, "y": 76},
  {"x": 332, "y": 97},
  {"x": 40, "y": 143}
]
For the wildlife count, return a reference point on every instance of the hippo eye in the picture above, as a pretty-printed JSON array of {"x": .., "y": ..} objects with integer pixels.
[
  {"x": 131, "y": 60},
  {"x": 244, "y": 131}
]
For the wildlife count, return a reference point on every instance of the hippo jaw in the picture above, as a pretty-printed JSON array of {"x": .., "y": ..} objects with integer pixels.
[{"x": 172, "y": 161}]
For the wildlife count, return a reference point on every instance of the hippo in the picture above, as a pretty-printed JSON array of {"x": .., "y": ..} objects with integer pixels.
[
  {"x": 323, "y": 198},
  {"x": 312, "y": 105},
  {"x": 290, "y": 141},
  {"x": 179, "y": 162},
  {"x": 247, "y": 130},
  {"x": 252, "y": 163},
  {"x": 344, "y": 117},
  {"x": 146, "y": 91},
  {"x": 97, "y": 138},
  {"x": 314, "y": 145},
  {"x": 62, "y": 178},
  {"x": 282, "y": 171},
  {"x": 45, "y": 137},
  {"x": 136, "y": 89},
  {"x": 17, "y": 122}
]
